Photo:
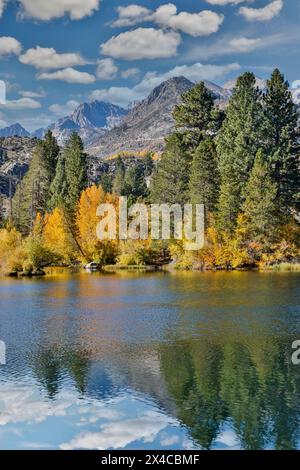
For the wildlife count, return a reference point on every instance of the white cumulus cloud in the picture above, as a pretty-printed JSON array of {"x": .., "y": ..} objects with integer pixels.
[
  {"x": 22, "y": 103},
  {"x": 130, "y": 73},
  {"x": 226, "y": 2},
  {"x": 203, "y": 23},
  {"x": 40, "y": 93},
  {"x": 106, "y": 69},
  {"x": 266, "y": 13},
  {"x": 296, "y": 84},
  {"x": 9, "y": 45},
  {"x": 196, "y": 24},
  {"x": 142, "y": 43},
  {"x": 235, "y": 45},
  {"x": 243, "y": 44},
  {"x": 131, "y": 15},
  {"x": 48, "y": 58},
  {"x": 120, "y": 96},
  {"x": 68, "y": 75},
  {"x": 46, "y": 10},
  {"x": 60, "y": 110}
]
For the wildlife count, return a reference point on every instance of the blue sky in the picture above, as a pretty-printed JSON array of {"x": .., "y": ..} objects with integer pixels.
[{"x": 54, "y": 55}]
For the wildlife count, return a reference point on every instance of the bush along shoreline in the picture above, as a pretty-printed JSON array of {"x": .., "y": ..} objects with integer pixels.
[{"x": 242, "y": 163}]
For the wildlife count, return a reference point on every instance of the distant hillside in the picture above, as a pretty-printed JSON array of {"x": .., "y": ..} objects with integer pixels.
[{"x": 15, "y": 156}]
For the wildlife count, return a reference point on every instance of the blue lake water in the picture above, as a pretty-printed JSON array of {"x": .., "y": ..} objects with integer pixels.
[{"x": 150, "y": 361}]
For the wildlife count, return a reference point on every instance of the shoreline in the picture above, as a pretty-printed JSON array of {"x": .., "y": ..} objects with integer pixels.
[{"x": 109, "y": 269}]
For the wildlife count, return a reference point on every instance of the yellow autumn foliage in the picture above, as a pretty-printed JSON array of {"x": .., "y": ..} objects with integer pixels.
[
  {"x": 58, "y": 238},
  {"x": 86, "y": 223}
]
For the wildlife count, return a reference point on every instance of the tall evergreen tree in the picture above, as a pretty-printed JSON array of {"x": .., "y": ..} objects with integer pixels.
[
  {"x": 71, "y": 176},
  {"x": 260, "y": 207},
  {"x": 237, "y": 144},
  {"x": 196, "y": 116},
  {"x": 51, "y": 152},
  {"x": 32, "y": 193},
  {"x": 148, "y": 164},
  {"x": 204, "y": 178},
  {"x": 283, "y": 140},
  {"x": 134, "y": 183},
  {"x": 106, "y": 182},
  {"x": 118, "y": 184},
  {"x": 171, "y": 178},
  {"x": 76, "y": 171},
  {"x": 59, "y": 187}
]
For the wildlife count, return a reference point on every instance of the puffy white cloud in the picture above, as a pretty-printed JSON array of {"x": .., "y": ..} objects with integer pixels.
[
  {"x": 131, "y": 15},
  {"x": 203, "y": 23},
  {"x": 130, "y": 73},
  {"x": 46, "y": 10},
  {"x": 122, "y": 96},
  {"x": 68, "y": 75},
  {"x": 9, "y": 45},
  {"x": 40, "y": 93},
  {"x": 106, "y": 69},
  {"x": 48, "y": 58},
  {"x": 142, "y": 43},
  {"x": 196, "y": 24},
  {"x": 296, "y": 84},
  {"x": 63, "y": 109},
  {"x": 262, "y": 14},
  {"x": 238, "y": 45},
  {"x": 119, "y": 434},
  {"x": 226, "y": 2},
  {"x": 243, "y": 44},
  {"x": 22, "y": 103},
  {"x": 198, "y": 71}
]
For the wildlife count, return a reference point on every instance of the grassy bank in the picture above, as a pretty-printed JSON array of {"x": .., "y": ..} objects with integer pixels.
[{"x": 284, "y": 267}]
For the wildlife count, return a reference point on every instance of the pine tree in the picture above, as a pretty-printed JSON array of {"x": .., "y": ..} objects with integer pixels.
[
  {"x": 148, "y": 165},
  {"x": 118, "y": 184},
  {"x": 59, "y": 186},
  {"x": 204, "y": 178},
  {"x": 75, "y": 171},
  {"x": 51, "y": 152},
  {"x": 171, "y": 178},
  {"x": 32, "y": 193},
  {"x": 237, "y": 144},
  {"x": 134, "y": 183},
  {"x": 196, "y": 115},
  {"x": 260, "y": 207},
  {"x": 282, "y": 140},
  {"x": 106, "y": 182}
]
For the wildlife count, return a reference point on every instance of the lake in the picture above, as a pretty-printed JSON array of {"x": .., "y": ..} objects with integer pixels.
[{"x": 150, "y": 361}]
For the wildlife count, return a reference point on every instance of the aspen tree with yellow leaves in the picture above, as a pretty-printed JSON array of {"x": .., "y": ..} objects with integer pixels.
[
  {"x": 86, "y": 223},
  {"x": 57, "y": 236}
]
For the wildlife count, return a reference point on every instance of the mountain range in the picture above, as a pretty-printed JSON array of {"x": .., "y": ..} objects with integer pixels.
[
  {"x": 14, "y": 130},
  {"x": 90, "y": 120},
  {"x": 108, "y": 129}
]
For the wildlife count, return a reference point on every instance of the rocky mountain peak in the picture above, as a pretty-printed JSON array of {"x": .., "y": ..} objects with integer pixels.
[{"x": 14, "y": 130}]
